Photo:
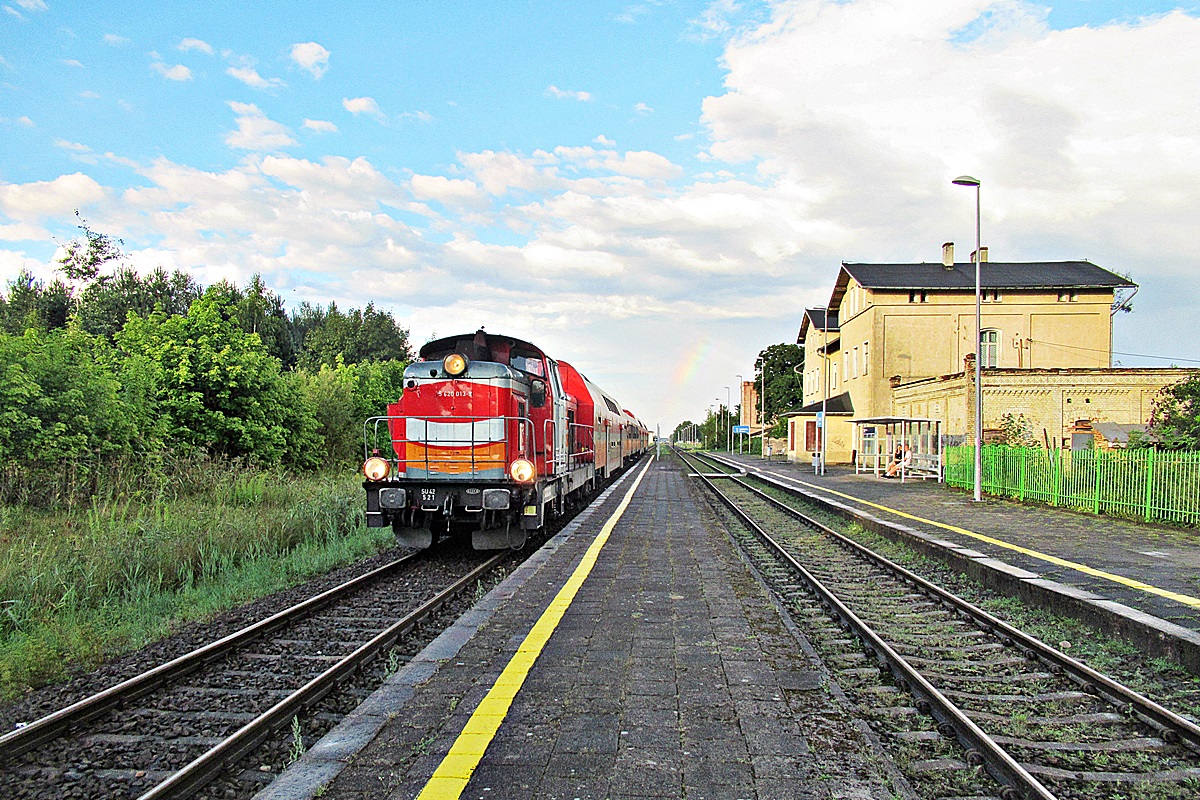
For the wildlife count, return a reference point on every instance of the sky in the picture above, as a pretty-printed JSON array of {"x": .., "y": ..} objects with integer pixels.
[{"x": 652, "y": 191}]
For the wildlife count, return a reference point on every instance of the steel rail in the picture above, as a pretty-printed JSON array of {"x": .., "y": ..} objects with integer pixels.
[
  {"x": 199, "y": 772},
  {"x": 1013, "y": 777},
  {"x": 54, "y": 725},
  {"x": 1174, "y": 728}
]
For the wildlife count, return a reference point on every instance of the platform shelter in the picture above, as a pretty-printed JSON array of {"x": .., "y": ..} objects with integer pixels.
[{"x": 876, "y": 440}]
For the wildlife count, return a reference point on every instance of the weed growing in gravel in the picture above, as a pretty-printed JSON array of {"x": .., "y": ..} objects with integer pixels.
[
  {"x": 297, "y": 748},
  {"x": 393, "y": 661}
]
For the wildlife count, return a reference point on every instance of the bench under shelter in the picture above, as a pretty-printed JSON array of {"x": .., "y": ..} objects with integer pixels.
[{"x": 876, "y": 439}]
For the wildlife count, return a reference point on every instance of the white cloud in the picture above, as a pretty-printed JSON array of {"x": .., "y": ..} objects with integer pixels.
[
  {"x": 642, "y": 108},
  {"x": 417, "y": 116},
  {"x": 361, "y": 105},
  {"x": 114, "y": 40},
  {"x": 29, "y": 205},
  {"x": 28, "y": 5},
  {"x": 256, "y": 131},
  {"x": 250, "y": 77},
  {"x": 320, "y": 126},
  {"x": 176, "y": 73},
  {"x": 88, "y": 94},
  {"x": 566, "y": 94},
  {"x": 74, "y": 147},
  {"x": 311, "y": 57},
  {"x": 445, "y": 190},
  {"x": 717, "y": 19},
  {"x": 71, "y": 62},
  {"x": 604, "y": 140},
  {"x": 196, "y": 44},
  {"x": 500, "y": 172}
]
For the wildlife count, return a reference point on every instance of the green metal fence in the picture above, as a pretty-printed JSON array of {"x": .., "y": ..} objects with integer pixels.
[{"x": 1156, "y": 486}]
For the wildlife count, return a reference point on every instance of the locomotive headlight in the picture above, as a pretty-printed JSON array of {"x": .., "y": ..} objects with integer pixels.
[
  {"x": 376, "y": 468},
  {"x": 522, "y": 470},
  {"x": 454, "y": 364}
]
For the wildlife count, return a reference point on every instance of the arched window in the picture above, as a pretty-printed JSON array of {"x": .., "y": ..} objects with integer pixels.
[{"x": 989, "y": 347}]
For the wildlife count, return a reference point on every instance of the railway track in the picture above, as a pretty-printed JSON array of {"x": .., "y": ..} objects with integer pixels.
[
  {"x": 971, "y": 706},
  {"x": 171, "y": 731}
]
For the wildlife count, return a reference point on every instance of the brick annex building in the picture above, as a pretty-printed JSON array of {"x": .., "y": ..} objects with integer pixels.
[{"x": 896, "y": 341}]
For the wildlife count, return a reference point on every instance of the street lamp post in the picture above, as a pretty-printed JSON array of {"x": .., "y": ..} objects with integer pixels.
[
  {"x": 741, "y": 380},
  {"x": 728, "y": 421},
  {"x": 967, "y": 180},
  {"x": 823, "y": 428},
  {"x": 762, "y": 411}
]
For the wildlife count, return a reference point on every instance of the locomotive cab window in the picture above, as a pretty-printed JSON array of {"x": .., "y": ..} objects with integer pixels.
[{"x": 537, "y": 394}]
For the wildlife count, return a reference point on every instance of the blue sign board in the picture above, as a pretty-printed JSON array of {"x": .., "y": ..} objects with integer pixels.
[{"x": 741, "y": 428}]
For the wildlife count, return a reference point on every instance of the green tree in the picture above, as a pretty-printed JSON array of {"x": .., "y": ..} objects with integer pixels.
[
  {"x": 784, "y": 390},
  {"x": 104, "y": 304},
  {"x": 65, "y": 411},
  {"x": 217, "y": 386},
  {"x": 31, "y": 303},
  {"x": 344, "y": 396},
  {"x": 83, "y": 258},
  {"x": 260, "y": 310},
  {"x": 355, "y": 337},
  {"x": 1175, "y": 417}
]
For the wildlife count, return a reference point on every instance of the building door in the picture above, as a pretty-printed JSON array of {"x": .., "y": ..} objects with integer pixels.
[{"x": 812, "y": 436}]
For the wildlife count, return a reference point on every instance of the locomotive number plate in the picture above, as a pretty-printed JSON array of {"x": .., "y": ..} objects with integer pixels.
[{"x": 430, "y": 497}]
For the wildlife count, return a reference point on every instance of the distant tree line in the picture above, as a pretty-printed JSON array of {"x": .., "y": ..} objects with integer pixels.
[{"x": 103, "y": 369}]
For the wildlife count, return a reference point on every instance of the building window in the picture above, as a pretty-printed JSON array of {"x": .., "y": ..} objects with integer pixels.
[
  {"x": 854, "y": 363},
  {"x": 992, "y": 296},
  {"x": 866, "y": 359},
  {"x": 989, "y": 347},
  {"x": 918, "y": 297},
  {"x": 1068, "y": 297}
]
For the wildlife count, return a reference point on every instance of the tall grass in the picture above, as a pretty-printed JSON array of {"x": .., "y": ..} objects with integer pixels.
[{"x": 82, "y": 582}]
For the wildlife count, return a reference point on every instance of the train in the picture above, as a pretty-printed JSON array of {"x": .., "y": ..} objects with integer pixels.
[{"x": 493, "y": 437}]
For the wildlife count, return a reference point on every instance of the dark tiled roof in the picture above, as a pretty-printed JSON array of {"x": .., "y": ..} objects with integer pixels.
[
  {"x": 820, "y": 317},
  {"x": 839, "y": 404},
  {"x": 993, "y": 275},
  {"x": 816, "y": 318}
]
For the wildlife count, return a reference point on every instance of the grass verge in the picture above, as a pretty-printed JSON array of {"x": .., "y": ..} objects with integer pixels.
[{"x": 79, "y": 585}]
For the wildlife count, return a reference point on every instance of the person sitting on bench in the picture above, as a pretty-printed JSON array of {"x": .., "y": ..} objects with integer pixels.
[{"x": 900, "y": 462}]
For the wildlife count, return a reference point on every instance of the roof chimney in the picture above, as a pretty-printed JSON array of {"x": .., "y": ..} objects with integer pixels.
[
  {"x": 948, "y": 255},
  {"x": 982, "y": 256}
]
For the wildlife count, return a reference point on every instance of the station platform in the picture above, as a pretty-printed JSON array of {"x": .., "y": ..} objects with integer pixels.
[
  {"x": 633, "y": 656},
  {"x": 1151, "y": 569}
]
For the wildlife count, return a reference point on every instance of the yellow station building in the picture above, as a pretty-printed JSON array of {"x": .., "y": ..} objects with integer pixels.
[{"x": 896, "y": 340}]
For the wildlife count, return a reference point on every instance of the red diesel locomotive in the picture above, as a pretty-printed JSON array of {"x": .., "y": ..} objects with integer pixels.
[{"x": 490, "y": 435}]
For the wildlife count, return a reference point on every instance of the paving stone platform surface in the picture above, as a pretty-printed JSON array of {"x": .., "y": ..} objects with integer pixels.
[
  {"x": 671, "y": 675},
  {"x": 1159, "y": 555}
]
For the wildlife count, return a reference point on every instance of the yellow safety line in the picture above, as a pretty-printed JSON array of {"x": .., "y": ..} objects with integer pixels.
[
  {"x": 1187, "y": 600},
  {"x": 451, "y": 777}
]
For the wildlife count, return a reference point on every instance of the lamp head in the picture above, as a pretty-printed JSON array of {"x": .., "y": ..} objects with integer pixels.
[{"x": 965, "y": 180}]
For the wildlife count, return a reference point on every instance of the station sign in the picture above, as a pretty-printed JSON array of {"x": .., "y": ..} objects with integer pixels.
[{"x": 741, "y": 428}]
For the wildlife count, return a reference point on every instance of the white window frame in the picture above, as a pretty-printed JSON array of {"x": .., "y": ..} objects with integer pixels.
[
  {"x": 854, "y": 363},
  {"x": 866, "y": 359},
  {"x": 983, "y": 362}
]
